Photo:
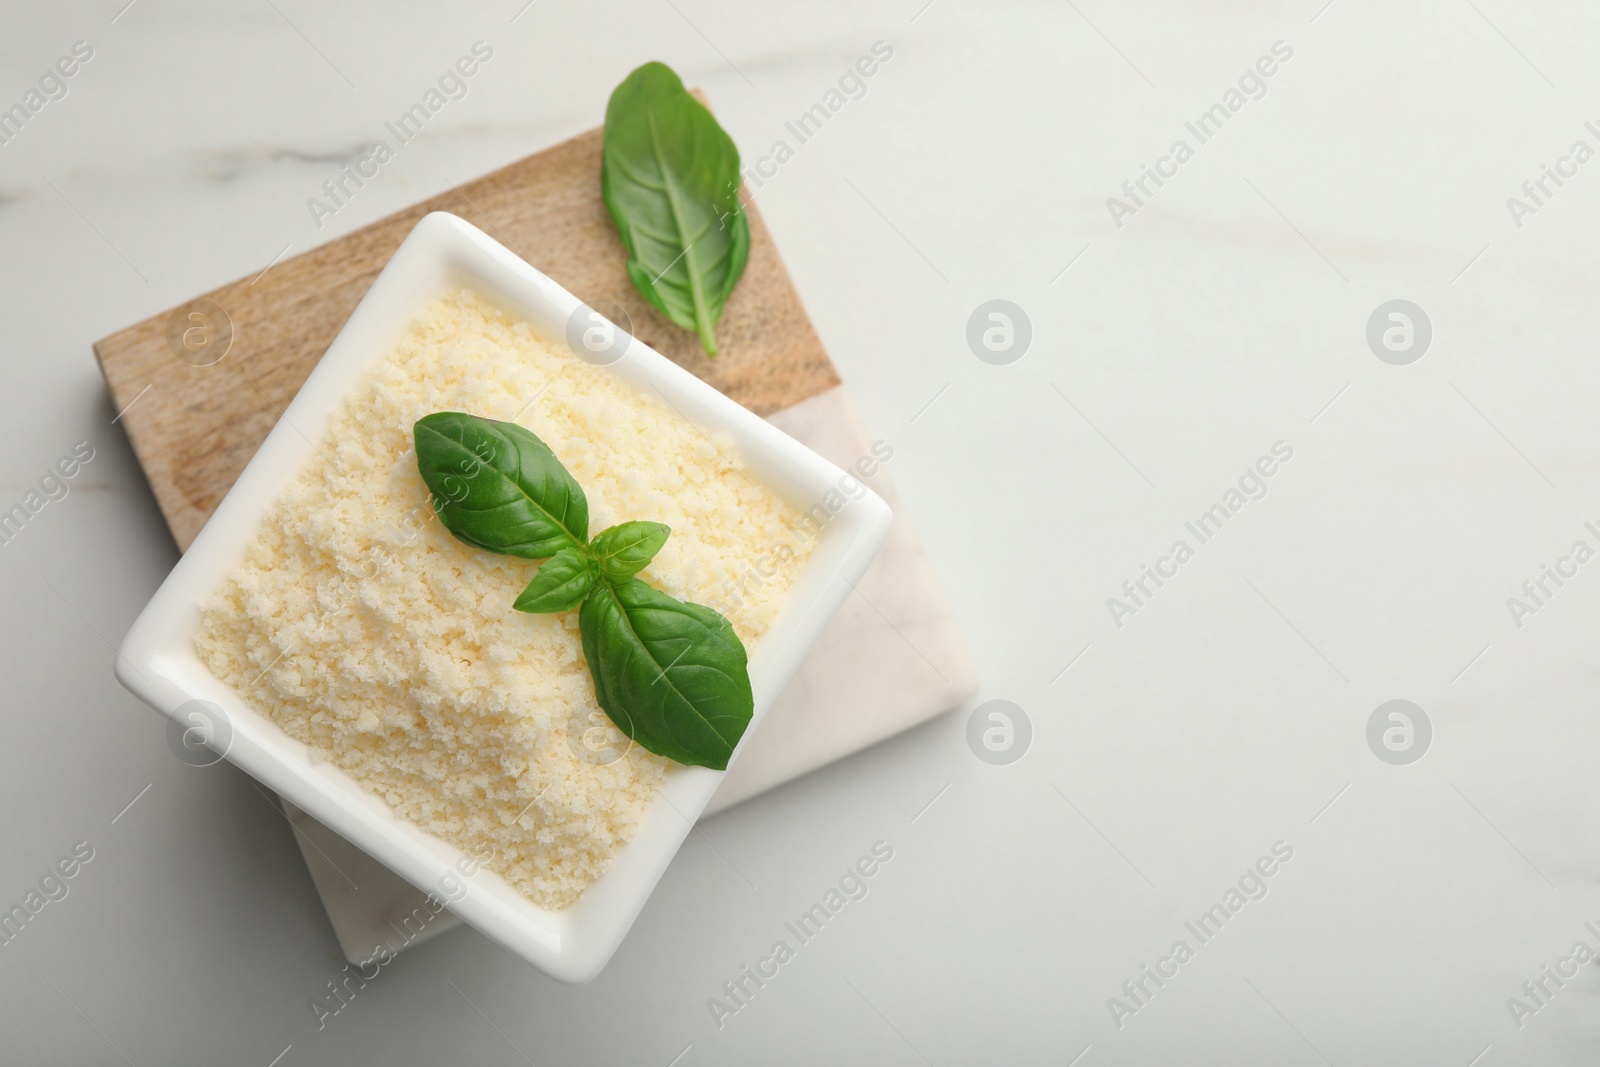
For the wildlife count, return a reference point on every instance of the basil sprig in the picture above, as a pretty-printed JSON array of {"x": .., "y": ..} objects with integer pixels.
[
  {"x": 670, "y": 177},
  {"x": 672, "y": 675}
]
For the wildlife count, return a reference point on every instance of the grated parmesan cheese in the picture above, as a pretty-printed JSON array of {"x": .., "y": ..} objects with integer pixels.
[{"x": 364, "y": 630}]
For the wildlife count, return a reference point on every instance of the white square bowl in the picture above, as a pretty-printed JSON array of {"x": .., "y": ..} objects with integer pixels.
[{"x": 158, "y": 663}]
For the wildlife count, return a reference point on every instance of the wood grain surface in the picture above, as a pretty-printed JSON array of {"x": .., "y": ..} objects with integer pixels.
[{"x": 194, "y": 428}]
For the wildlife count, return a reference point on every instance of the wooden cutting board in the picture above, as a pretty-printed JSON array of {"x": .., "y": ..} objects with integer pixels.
[{"x": 194, "y": 427}]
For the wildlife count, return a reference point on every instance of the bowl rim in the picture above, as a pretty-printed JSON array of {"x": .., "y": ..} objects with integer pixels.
[{"x": 157, "y": 662}]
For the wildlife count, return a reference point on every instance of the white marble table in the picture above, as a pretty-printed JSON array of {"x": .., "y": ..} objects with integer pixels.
[{"x": 1168, "y": 756}]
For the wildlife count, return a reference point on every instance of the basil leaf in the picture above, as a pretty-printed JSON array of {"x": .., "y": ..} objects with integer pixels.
[
  {"x": 670, "y": 178},
  {"x": 561, "y": 584},
  {"x": 624, "y": 550},
  {"x": 672, "y": 676},
  {"x": 497, "y": 486}
]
